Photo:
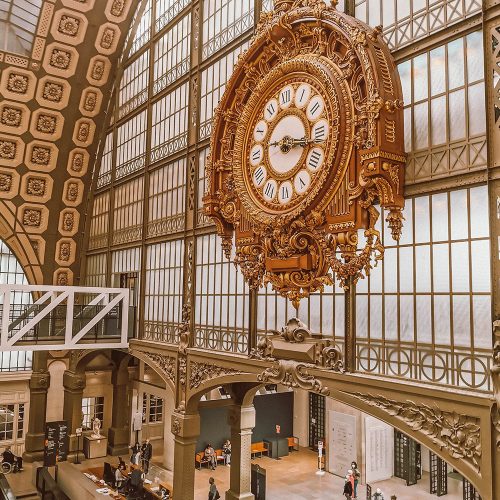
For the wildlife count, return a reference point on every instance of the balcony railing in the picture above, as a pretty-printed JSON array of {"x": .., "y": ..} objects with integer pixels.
[{"x": 64, "y": 317}]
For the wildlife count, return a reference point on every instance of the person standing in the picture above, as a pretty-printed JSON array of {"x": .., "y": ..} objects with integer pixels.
[
  {"x": 135, "y": 454},
  {"x": 348, "y": 488},
  {"x": 226, "y": 450},
  {"x": 210, "y": 456},
  {"x": 147, "y": 455},
  {"x": 357, "y": 476},
  {"x": 213, "y": 494}
]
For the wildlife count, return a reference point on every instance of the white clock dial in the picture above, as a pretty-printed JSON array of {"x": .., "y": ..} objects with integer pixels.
[
  {"x": 315, "y": 159},
  {"x": 260, "y": 131},
  {"x": 315, "y": 108},
  {"x": 285, "y": 192},
  {"x": 302, "y": 95},
  {"x": 270, "y": 189},
  {"x": 320, "y": 131},
  {"x": 256, "y": 154},
  {"x": 271, "y": 110},
  {"x": 259, "y": 176},
  {"x": 286, "y": 97},
  {"x": 290, "y": 126},
  {"x": 302, "y": 181}
]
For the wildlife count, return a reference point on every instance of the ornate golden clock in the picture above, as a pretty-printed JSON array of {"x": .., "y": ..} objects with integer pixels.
[{"x": 307, "y": 139}]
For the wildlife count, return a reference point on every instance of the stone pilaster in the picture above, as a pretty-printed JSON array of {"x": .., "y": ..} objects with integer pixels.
[
  {"x": 242, "y": 421},
  {"x": 74, "y": 384},
  {"x": 119, "y": 432},
  {"x": 186, "y": 429},
  {"x": 35, "y": 437}
]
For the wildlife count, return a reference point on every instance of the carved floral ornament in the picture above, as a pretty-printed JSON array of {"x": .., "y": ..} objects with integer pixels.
[
  {"x": 459, "y": 435},
  {"x": 165, "y": 363},
  {"x": 307, "y": 138}
]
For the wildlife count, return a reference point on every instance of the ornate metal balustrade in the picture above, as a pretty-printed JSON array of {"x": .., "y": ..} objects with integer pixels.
[
  {"x": 458, "y": 367},
  {"x": 63, "y": 317}
]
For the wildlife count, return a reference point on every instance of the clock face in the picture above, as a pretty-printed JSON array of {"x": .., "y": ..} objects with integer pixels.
[{"x": 287, "y": 145}]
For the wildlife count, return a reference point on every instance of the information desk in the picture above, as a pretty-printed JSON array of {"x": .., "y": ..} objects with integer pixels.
[
  {"x": 95, "y": 447},
  {"x": 98, "y": 472},
  {"x": 278, "y": 447}
]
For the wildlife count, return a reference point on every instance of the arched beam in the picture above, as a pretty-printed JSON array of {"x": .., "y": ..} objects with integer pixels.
[{"x": 425, "y": 427}]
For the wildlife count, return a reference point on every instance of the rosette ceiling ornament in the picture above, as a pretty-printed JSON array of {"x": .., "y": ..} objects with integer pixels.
[{"x": 307, "y": 140}]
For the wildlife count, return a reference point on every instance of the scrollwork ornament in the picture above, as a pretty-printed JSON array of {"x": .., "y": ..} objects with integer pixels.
[
  {"x": 176, "y": 426},
  {"x": 165, "y": 363},
  {"x": 458, "y": 434},
  {"x": 293, "y": 374},
  {"x": 333, "y": 358},
  {"x": 202, "y": 372}
]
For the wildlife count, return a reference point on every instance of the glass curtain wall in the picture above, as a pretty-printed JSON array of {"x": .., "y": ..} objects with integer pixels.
[{"x": 423, "y": 313}]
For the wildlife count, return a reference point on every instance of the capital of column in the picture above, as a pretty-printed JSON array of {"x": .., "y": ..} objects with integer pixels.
[
  {"x": 185, "y": 426},
  {"x": 241, "y": 417},
  {"x": 73, "y": 381},
  {"x": 40, "y": 380}
]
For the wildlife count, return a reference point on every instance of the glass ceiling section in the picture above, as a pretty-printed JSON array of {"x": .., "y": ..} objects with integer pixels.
[{"x": 18, "y": 22}]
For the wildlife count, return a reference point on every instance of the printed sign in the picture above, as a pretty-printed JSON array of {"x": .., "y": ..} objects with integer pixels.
[{"x": 56, "y": 443}]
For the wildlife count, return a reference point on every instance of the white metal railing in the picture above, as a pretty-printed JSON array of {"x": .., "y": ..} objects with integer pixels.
[{"x": 56, "y": 317}]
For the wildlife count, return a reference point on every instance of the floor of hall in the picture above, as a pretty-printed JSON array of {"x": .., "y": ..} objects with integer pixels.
[{"x": 291, "y": 478}]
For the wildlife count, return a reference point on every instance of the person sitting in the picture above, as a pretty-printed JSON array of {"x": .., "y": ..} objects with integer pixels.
[
  {"x": 226, "y": 451},
  {"x": 210, "y": 456},
  {"x": 121, "y": 463},
  {"x": 10, "y": 458},
  {"x": 378, "y": 495},
  {"x": 120, "y": 476}
]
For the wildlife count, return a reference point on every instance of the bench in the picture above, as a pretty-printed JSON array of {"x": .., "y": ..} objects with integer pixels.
[
  {"x": 258, "y": 449},
  {"x": 293, "y": 443},
  {"x": 201, "y": 459}
]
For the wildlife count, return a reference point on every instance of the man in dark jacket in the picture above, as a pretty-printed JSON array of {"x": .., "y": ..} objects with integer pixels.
[{"x": 147, "y": 455}]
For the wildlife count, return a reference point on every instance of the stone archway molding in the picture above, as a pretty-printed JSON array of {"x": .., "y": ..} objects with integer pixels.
[{"x": 438, "y": 419}]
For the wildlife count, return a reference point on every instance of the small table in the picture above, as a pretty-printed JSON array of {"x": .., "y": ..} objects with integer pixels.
[{"x": 95, "y": 447}]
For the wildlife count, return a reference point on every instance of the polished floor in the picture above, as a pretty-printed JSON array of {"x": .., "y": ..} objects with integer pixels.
[
  {"x": 291, "y": 478},
  {"x": 294, "y": 478}
]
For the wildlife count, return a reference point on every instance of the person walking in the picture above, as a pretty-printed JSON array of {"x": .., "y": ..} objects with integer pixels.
[
  {"x": 213, "y": 494},
  {"x": 147, "y": 455}
]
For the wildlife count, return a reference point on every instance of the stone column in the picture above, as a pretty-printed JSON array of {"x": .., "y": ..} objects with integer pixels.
[
  {"x": 242, "y": 421},
  {"x": 118, "y": 433},
  {"x": 74, "y": 384},
  {"x": 186, "y": 429},
  {"x": 39, "y": 384}
]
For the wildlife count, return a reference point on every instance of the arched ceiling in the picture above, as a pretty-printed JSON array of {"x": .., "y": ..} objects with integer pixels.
[{"x": 52, "y": 113}]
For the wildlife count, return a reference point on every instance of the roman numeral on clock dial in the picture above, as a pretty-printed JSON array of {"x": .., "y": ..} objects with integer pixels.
[
  {"x": 286, "y": 96},
  {"x": 315, "y": 108},
  {"x": 271, "y": 110},
  {"x": 302, "y": 95},
  {"x": 259, "y": 176},
  {"x": 320, "y": 131},
  {"x": 285, "y": 192},
  {"x": 270, "y": 189},
  {"x": 260, "y": 131},
  {"x": 315, "y": 159},
  {"x": 256, "y": 155},
  {"x": 302, "y": 181}
]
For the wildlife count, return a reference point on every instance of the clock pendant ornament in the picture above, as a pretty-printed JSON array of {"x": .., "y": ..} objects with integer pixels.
[{"x": 307, "y": 140}]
